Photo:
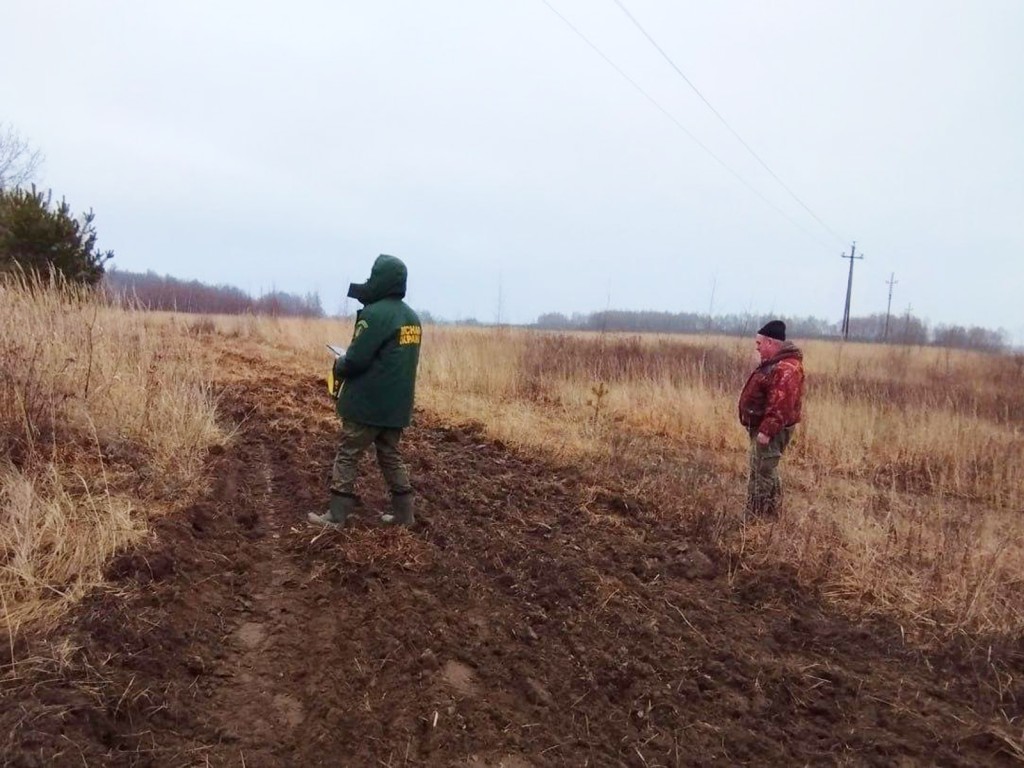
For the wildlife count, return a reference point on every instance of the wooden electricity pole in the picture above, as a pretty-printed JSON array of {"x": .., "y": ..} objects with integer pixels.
[
  {"x": 849, "y": 289},
  {"x": 906, "y": 325},
  {"x": 888, "y": 307}
]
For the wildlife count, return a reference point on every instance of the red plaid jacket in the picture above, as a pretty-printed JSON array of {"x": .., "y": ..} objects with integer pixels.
[{"x": 771, "y": 397}]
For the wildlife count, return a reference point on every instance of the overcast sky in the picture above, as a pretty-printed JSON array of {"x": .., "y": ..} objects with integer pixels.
[{"x": 284, "y": 145}]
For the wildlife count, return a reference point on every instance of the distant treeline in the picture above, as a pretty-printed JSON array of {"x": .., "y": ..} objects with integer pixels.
[
  {"x": 902, "y": 329},
  {"x": 162, "y": 292}
]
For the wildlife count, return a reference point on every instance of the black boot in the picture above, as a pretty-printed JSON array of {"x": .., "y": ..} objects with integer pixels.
[
  {"x": 338, "y": 510},
  {"x": 401, "y": 510}
]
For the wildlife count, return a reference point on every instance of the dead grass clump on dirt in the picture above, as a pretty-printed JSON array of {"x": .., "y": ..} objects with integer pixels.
[
  {"x": 56, "y": 534},
  {"x": 102, "y": 409}
]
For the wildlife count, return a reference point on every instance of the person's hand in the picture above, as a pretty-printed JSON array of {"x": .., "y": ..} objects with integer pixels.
[{"x": 763, "y": 439}]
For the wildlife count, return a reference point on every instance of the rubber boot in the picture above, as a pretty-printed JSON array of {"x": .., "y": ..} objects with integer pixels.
[
  {"x": 401, "y": 511},
  {"x": 338, "y": 510}
]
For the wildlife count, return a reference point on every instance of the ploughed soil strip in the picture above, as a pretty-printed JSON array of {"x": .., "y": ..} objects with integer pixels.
[{"x": 533, "y": 618}]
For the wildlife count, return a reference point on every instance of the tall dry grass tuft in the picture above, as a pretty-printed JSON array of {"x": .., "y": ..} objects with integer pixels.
[{"x": 102, "y": 410}]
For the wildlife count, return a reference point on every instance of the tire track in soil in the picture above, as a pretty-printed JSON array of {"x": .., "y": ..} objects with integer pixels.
[{"x": 529, "y": 620}]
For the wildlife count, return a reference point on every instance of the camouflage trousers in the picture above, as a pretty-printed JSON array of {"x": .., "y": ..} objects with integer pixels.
[
  {"x": 355, "y": 439},
  {"x": 764, "y": 487}
]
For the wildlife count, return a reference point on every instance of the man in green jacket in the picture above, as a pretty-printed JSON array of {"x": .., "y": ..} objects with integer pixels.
[{"x": 378, "y": 381}]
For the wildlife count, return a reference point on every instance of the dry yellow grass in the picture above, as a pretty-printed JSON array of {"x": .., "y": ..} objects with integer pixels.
[
  {"x": 955, "y": 435},
  {"x": 905, "y": 485},
  {"x": 101, "y": 409}
]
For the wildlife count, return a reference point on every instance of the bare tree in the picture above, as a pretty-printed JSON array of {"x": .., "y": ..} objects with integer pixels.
[{"x": 18, "y": 160}]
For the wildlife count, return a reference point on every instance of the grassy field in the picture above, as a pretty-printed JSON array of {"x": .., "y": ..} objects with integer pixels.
[{"x": 905, "y": 484}]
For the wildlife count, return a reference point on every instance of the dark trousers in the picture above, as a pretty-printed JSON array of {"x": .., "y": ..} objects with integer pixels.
[
  {"x": 764, "y": 486},
  {"x": 355, "y": 439}
]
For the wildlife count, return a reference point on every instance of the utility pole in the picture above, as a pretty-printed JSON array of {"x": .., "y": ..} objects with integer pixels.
[
  {"x": 607, "y": 311},
  {"x": 888, "y": 307},
  {"x": 849, "y": 289},
  {"x": 711, "y": 304}
]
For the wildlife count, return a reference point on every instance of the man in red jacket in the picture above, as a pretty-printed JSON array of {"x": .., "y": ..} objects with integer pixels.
[{"x": 769, "y": 408}]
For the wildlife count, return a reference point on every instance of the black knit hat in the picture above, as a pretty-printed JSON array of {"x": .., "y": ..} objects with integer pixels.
[{"x": 773, "y": 329}]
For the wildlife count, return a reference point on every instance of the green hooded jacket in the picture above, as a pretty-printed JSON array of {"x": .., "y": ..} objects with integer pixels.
[{"x": 378, "y": 371}]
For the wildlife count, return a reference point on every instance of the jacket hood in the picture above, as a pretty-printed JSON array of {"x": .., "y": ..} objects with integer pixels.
[
  {"x": 787, "y": 350},
  {"x": 387, "y": 278}
]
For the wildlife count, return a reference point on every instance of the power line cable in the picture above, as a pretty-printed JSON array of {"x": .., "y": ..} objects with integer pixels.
[
  {"x": 725, "y": 122},
  {"x": 682, "y": 127}
]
